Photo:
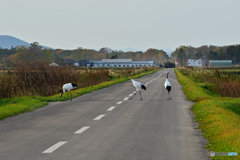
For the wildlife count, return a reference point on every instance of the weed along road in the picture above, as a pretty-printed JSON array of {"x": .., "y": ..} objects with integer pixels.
[{"x": 106, "y": 125}]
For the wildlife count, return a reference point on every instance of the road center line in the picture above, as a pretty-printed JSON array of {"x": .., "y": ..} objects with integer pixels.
[
  {"x": 130, "y": 95},
  {"x": 54, "y": 147},
  {"x": 153, "y": 80},
  {"x": 99, "y": 117},
  {"x": 125, "y": 99},
  {"x": 111, "y": 108},
  {"x": 119, "y": 102},
  {"x": 82, "y": 129}
]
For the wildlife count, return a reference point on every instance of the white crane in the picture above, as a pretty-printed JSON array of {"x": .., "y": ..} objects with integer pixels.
[
  {"x": 138, "y": 87},
  {"x": 67, "y": 88},
  {"x": 167, "y": 85}
]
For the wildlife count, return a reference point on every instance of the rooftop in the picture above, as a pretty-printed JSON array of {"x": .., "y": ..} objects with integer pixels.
[{"x": 117, "y": 60}]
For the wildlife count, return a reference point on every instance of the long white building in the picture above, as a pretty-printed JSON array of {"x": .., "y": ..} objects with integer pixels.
[{"x": 120, "y": 63}]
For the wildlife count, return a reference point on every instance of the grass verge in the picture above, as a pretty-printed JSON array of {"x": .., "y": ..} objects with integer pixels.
[
  {"x": 218, "y": 117},
  {"x": 19, "y": 105}
]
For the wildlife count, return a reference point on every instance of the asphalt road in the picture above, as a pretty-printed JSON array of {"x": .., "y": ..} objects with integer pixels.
[{"x": 105, "y": 125}]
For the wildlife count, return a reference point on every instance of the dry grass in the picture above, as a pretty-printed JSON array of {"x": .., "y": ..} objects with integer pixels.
[
  {"x": 38, "y": 79},
  {"x": 222, "y": 81}
]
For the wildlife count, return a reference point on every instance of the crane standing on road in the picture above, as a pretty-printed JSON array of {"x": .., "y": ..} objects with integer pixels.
[
  {"x": 138, "y": 87},
  {"x": 168, "y": 86}
]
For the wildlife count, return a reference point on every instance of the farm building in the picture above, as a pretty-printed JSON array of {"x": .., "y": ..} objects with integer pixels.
[
  {"x": 204, "y": 61},
  {"x": 83, "y": 63},
  {"x": 71, "y": 62},
  {"x": 109, "y": 63},
  {"x": 194, "y": 62},
  {"x": 120, "y": 63},
  {"x": 215, "y": 63},
  {"x": 198, "y": 62}
]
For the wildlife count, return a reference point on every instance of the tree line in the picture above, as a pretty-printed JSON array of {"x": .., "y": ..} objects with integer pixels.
[
  {"x": 35, "y": 52},
  {"x": 210, "y": 52}
]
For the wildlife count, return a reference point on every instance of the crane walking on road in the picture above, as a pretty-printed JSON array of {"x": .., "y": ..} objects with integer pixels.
[
  {"x": 138, "y": 87},
  {"x": 167, "y": 85},
  {"x": 67, "y": 88}
]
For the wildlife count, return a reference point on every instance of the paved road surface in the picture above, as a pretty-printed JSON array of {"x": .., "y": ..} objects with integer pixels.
[{"x": 104, "y": 125}]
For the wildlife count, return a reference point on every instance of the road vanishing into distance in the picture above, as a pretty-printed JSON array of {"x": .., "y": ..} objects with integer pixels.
[{"x": 106, "y": 125}]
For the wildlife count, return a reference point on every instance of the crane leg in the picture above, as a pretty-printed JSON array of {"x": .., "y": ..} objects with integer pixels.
[
  {"x": 61, "y": 94},
  {"x": 169, "y": 97},
  {"x": 67, "y": 95},
  {"x": 140, "y": 95},
  {"x": 133, "y": 95},
  {"x": 71, "y": 95}
]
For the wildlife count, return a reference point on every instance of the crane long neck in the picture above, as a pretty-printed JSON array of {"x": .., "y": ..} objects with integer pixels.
[{"x": 167, "y": 75}]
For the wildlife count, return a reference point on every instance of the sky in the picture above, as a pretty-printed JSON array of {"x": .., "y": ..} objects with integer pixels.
[{"x": 120, "y": 24}]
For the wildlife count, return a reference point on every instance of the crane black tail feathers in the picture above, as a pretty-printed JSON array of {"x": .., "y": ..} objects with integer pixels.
[
  {"x": 74, "y": 85},
  {"x": 143, "y": 87},
  {"x": 169, "y": 88}
]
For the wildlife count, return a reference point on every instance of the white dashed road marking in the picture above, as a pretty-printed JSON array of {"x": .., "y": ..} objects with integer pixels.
[
  {"x": 153, "y": 80},
  {"x": 119, "y": 102},
  {"x": 125, "y": 99},
  {"x": 111, "y": 108},
  {"x": 82, "y": 129},
  {"x": 130, "y": 95},
  {"x": 54, "y": 147},
  {"x": 99, "y": 117}
]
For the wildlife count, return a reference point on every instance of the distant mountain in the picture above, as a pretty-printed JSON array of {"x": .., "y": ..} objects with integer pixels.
[{"x": 9, "y": 41}]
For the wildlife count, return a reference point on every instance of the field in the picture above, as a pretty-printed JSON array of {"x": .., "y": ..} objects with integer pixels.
[
  {"x": 31, "y": 86},
  {"x": 38, "y": 79},
  {"x": 216, "y": 111},
  {"x": 225, "y": 82}
]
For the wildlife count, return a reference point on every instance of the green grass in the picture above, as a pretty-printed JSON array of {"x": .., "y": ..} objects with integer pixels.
[
  {"x": 218, "y": 117},
  {"x": 19, "y": 105},
  {"x": 219, "y": 120}
]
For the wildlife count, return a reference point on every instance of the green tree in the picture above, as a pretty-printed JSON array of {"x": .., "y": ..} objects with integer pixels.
[
  {"x": 33, "y": 53},
  {"x": 47, "y": 56},
  {"x": 222, "y": 55},
  {"x": 114, "y": 57},
  {"x": 233, "y": 53},
  {"x": 198, "y": 55},
  {"x": 181, "y": 56},
  {"x": 57, "y": 59},
  {"x": 212, "y": 55}
]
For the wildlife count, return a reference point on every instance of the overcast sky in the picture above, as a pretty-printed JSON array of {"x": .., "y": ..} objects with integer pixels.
[{"x": 119, "y": 24}]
